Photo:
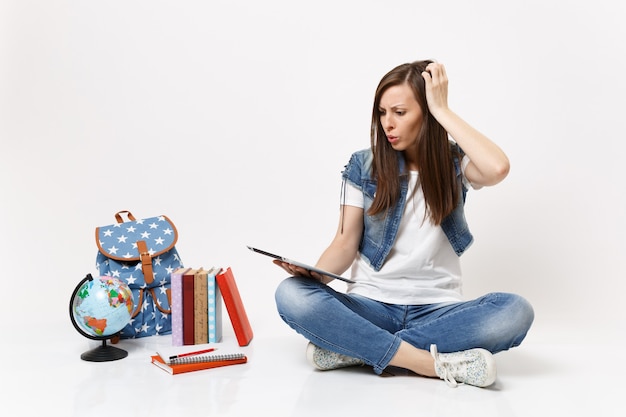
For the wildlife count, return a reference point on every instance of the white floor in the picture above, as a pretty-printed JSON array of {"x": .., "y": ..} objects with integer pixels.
[{"x": 540, "y": 378}]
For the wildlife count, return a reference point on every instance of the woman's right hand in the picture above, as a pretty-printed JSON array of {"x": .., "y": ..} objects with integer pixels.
[{"x": 436, "y": 81}]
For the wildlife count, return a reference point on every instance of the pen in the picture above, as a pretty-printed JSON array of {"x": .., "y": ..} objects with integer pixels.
[{"x": 192, "y": 353}]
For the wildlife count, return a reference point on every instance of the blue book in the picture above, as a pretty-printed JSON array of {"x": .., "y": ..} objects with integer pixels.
[{"x": 214, "y": 304}]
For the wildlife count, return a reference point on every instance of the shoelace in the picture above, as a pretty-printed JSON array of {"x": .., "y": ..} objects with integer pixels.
[{"x": 447, "y": 374}]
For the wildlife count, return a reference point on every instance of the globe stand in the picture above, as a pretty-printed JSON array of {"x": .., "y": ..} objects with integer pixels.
[{"x": 104, "y": 353}]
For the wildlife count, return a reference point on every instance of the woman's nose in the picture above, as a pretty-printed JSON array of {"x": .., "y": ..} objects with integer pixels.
[{"x": 387, "y": 122}]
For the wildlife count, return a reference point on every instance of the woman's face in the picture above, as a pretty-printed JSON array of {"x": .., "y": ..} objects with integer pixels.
[{"x": 400, "y": 116}]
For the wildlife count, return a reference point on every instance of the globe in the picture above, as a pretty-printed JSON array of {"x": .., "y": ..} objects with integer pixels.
[{"x": 99, "y": 309}]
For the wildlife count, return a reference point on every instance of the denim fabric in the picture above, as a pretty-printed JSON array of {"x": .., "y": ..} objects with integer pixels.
[
  {"x": 379, "y": 233},
  {"x": 372, "y": 331}
]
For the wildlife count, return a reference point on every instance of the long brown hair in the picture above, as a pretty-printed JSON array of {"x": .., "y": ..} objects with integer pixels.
[{"x": 434, "y": 153}]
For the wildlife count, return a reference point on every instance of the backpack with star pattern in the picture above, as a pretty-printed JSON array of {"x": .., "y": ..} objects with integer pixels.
[{"x": 142, "y": 254}]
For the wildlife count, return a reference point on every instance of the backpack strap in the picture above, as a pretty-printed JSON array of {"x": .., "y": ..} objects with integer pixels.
[
  {"x": 139, "y": 304},
  {"x": 146, "y": 262},
  {"x": 118, "y": 216},
  {"x": 158, "y": 305}
]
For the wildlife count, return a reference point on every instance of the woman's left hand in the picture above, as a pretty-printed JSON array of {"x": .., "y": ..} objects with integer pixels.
[{"x": 297, "y": 270}]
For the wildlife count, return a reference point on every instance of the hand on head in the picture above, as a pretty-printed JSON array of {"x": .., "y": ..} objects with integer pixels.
[{"x": 436, "y": 81}]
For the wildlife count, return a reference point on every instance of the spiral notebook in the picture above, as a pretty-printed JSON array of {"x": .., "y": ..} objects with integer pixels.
[
  {"x": 204, "y": 358},
  {"x": 198, "y": 362}
]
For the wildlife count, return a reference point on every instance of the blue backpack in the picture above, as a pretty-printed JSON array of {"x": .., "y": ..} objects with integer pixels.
[{"x": 142, "y": 254}]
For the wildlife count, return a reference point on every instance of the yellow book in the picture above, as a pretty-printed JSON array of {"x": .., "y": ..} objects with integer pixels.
[{"x": 200, "y": 310}]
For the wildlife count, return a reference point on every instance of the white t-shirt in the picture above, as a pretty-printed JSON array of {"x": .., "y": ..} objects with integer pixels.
[{"x": 422, "y": 267}]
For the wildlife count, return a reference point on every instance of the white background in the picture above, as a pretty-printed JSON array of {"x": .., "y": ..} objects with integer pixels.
[{"x": 235, "y": 119}]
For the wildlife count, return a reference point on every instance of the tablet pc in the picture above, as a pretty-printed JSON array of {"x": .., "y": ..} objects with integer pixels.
[{"x": 300, "y": 264}]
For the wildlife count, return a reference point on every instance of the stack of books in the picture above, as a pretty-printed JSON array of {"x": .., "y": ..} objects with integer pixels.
[{"x": 197, "y": 295}]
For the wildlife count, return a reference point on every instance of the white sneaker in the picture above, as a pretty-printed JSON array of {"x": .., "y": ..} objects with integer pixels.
[
  {"x": 474, "y": 367},
  {"x": 325, "y": 360}
]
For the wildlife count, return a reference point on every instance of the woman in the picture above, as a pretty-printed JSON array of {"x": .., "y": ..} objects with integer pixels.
[{"x": 402, "y": 230}]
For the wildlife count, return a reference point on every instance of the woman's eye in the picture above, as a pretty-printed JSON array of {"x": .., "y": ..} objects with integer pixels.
[{"x": 400, "y": 113}]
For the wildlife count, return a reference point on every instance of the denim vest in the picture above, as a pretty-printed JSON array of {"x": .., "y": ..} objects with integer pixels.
[{"x": 379, "y": 231}]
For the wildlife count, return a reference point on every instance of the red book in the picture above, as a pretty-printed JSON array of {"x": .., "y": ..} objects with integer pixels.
[
  {"x": 234, "y": 305},
  {"x": 188, "y": 307},
  {"x": 199, "y": 365}
]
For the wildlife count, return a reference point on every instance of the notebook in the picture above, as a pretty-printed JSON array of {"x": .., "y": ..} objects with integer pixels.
[
  {"x": 300, "y": 264},
  {"x": 198, "y": 363},
  {"x": 173, "y": 352},
  {"x": 213, "y": 357}
]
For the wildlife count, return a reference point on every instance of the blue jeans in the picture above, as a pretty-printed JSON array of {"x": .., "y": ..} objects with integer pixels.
[{"x": 370, "y": 330}]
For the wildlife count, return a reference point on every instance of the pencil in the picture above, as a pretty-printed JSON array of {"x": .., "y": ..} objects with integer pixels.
[{"x": 199, "y": 352}]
